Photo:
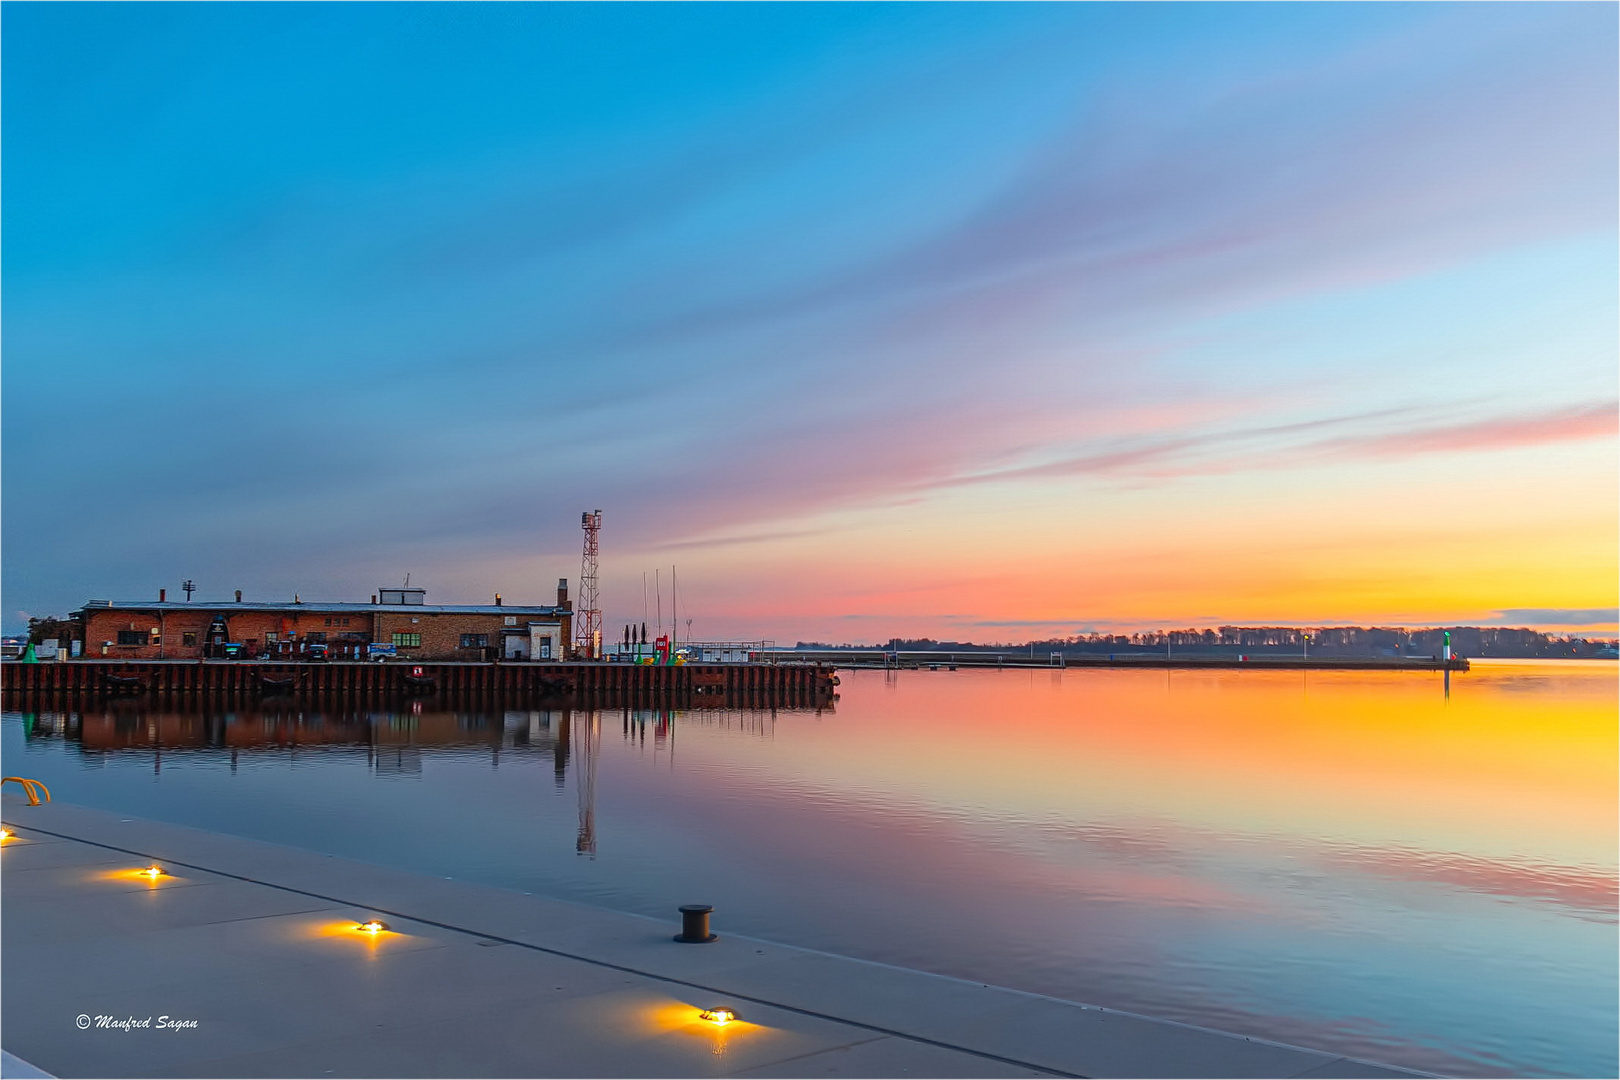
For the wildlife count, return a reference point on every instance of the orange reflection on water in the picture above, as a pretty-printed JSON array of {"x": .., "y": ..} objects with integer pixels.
[{"x": 1520, "y": 760}]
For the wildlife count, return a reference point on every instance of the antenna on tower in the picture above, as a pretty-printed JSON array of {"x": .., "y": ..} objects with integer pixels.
[{"x": 588, "y": 619}]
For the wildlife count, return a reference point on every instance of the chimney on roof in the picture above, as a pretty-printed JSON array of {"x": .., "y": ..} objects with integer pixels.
[
  {"x": 238, "y": 596},
  {"x": 562, "y": 592},
  {"x": 497, "y": 599},
  {"x": 374, "y": 598},
  {"x": 163, "y": 596}
]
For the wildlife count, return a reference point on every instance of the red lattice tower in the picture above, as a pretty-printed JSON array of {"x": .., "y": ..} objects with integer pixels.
[{"x": 588, "y": 619}]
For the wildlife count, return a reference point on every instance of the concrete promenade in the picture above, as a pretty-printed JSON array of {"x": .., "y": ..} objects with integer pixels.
[{"x": 252, "y": 949}]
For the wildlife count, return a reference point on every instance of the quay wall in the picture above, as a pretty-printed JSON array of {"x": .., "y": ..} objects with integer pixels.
[{"x": 783, "y": 684}]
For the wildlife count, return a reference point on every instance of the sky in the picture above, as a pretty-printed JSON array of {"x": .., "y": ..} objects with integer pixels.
[{"x": 979, "y": 322}]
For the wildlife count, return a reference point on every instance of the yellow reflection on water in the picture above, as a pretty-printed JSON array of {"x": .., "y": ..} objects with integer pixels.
[{"x": 1520, "y": 759}]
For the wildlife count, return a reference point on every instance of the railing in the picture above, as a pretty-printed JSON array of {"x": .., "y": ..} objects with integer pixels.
[{"x": 32, "y": 787}]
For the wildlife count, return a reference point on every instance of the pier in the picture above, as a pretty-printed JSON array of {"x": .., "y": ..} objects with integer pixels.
[{"x": 261, "y": 952}]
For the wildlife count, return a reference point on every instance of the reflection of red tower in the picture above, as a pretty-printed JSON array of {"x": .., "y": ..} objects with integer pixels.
[
  {"x": 588, "y": 619},
  {"x": 585, "y": 777}
]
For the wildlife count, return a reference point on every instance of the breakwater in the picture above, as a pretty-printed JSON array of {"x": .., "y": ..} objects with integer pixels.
[
  {"x": 586, "y": 684},
  {"x": 930, "y": 660}
]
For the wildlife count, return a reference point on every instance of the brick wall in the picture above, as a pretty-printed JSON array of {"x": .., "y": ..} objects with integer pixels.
[
  {"x": 441, "y": 632},
  {"x": 248, "y": 627}
]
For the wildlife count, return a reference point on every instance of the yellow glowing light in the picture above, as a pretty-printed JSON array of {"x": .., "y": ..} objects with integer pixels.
[
  {"x": 154, "y": 872},
  {"x": 372, "y": 926},
  {"x": 5, "y": 834},
  {"x": 718, "y": 1017}
]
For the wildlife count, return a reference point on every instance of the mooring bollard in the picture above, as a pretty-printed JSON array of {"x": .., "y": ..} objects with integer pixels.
[{"x": 695, "y": 924}]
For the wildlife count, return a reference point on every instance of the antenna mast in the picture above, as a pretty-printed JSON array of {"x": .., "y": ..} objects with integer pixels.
[{"x": 588, "y": 620}]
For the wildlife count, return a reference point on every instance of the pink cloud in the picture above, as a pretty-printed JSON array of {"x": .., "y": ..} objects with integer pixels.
[
  {"x": 1201, "y": 454},
  {"x": 1497, "y": 433}
]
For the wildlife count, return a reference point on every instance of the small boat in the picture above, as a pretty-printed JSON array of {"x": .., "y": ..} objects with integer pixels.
[{"x": 123, "y": 684}]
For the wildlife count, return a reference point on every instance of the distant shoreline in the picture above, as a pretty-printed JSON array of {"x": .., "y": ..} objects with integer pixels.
[{"x": 936, "y": 660}]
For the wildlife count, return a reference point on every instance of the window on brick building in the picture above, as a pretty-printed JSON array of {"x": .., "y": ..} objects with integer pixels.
[
  {"x": 188, "y": 637},
  {"x": 407, "y": 641},
  {"x": 474, "y": 641},
  {"x": 132, "y": 637},
  {"x": 316, "y": 637}
]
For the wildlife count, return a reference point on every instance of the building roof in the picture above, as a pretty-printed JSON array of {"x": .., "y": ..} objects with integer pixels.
[{"x": 320, "y": 607}]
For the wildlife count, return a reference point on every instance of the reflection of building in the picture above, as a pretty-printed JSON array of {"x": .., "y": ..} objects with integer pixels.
[
  {"x": 541, "y": 732},
  {"x": 541, "y": 729},
  {"x": 397, "y": 621},
  {"x": 397, "y": 761}
]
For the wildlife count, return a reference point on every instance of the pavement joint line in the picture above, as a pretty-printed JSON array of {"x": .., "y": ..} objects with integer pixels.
[
  {"x": 882, "y": 1031},
  {"x": 808, "y": 1054}
]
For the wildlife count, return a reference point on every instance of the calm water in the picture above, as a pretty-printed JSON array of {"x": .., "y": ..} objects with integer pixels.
[{"x": 1348, "y": 861}]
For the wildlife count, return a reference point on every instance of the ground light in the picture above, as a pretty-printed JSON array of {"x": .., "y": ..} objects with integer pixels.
[
  {"x": 717, "y": 1017},
  {"x": 154, "y": 872},
  {"x": 372, "y": 926},
  {"x": 5, "y": 834}
]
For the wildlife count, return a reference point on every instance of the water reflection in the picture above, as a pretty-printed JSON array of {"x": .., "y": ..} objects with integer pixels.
[
  {"x": 126, "y": 724},
  {"x": 393, "y": 741},
  {"x": 590, "y": 742},
  {"x": 1403, "y": 867}
]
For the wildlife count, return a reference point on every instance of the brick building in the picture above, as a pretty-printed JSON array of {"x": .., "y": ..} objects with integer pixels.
[{"x": 397, "y": 622}]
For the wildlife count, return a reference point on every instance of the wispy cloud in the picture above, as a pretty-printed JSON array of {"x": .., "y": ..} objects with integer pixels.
[
  {"x": 1277, "y": 447},
  {"x": 724, "y": 291},
  {"x": 708, "y": 542},
  {"x": 1496, "y": 433}
]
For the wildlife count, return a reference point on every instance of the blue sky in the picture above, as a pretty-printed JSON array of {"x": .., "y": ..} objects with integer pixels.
[{"x": 808, "y": 299}]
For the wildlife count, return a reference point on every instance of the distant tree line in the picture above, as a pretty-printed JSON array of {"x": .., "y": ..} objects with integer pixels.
[{"x": 1479, "y": 641}]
